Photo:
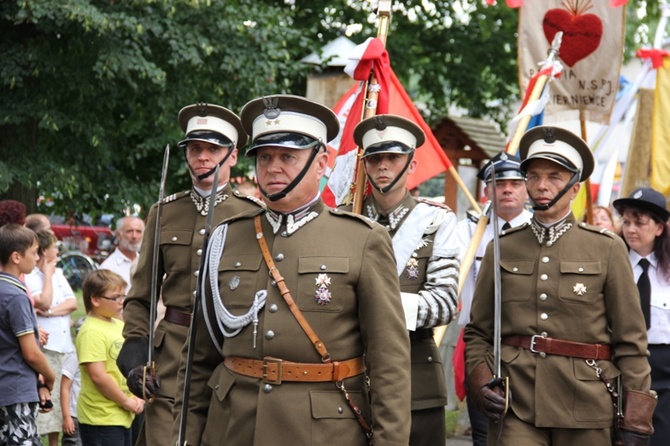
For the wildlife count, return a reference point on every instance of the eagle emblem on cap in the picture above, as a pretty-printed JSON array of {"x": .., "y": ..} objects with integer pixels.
[
  {"x": 271, "y": 110},
  {"x": 201, "y": 108},
  {"x": 549, "y": 135},
  {"x": 637, "y": 195},
  {"x": 380, "y": 124}
]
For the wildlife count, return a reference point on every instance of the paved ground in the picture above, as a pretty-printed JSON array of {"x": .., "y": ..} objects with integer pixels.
[{"x": 459, "y": 440}]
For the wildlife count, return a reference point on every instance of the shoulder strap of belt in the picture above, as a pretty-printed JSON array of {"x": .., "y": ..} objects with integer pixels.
[
  {"x": 286, "y": 294},
  {"x": 318, "y": 344}
]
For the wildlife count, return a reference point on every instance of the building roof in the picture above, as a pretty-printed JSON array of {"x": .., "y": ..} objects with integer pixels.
[
  {"x": 484, "y": 133},
  {"x": 339, "y": 49}
]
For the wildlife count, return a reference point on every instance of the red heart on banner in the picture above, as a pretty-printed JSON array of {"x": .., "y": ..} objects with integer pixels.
[{"x": 581, "y": 33}]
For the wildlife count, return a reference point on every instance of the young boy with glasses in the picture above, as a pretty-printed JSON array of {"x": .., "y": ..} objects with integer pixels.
[{"x": 105, "y": 407}]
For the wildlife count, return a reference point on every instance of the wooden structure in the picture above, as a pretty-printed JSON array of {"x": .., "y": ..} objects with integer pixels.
[
  {"x": 465, "y": 138},
  {"x": 330, "y": 84}
]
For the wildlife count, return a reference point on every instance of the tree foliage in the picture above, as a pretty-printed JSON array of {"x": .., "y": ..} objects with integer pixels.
[{"x": 91, "y": 88}]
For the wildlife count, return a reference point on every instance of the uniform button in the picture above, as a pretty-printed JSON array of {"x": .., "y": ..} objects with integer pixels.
[
  {"x": 196, "y": 273},
  {"x": 284, "y": 234},
  {"x": 545, "y": 259},
  {"x": 267, "y": 388},
  {"x": 430, "y": 359},
  {"x": 174, "y": 239},
  {"x": 340, "y": 410},
  {"x": 279, "y": 257},
  {"x": 544, "y": 334},
  {"x": 543, "y": 355},
  {"x": 199, "y": 252},
  {"x": 195, "y": 293},
  {"x": 269, "y": 335},
  {"x": 515, "y": 269},
  {"x": 544, "y": 277},
  {"x": 238, "y": 264},
  {"x": 322, "y": 267},
  {"x": 544, "y": 316},
  {"x": 549, "y": 244},
  {"x": 580, "y": 269},
  {"x": 202, "y": 231},
  {"x": 273, "y": 283},
  {"x": 273, "y": 308},
  {"x": 543, "y": 296}
]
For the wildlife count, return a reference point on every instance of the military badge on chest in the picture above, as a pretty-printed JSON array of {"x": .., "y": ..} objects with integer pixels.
[
  {"x": 412, "y": 268},
  {"x": 322, "y": 295},
  {"x": 412, "y": 271}
]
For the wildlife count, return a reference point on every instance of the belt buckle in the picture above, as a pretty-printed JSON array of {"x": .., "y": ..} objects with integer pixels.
[
  {"x": 267, "y": 361},
  {"x": 533, "y": 342}
]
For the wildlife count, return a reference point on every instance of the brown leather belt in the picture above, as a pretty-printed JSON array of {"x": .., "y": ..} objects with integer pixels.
[
  {"x": 539, "y": 344},
  {"x": 177, "y": 317},
  {"x": 275, "y": 370}
]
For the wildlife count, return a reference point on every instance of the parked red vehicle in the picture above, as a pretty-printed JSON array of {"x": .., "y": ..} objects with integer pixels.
[{"x": 82, "y": 248}]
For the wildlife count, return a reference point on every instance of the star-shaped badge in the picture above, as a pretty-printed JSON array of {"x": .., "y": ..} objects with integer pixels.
[{"x": 579, "y": 289}]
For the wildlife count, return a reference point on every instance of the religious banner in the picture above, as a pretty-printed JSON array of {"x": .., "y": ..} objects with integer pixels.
[
  {"x": 591, "y": 52},
  {"x": 660, "y": 144}
]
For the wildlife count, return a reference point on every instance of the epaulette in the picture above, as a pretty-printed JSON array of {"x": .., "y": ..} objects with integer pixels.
[
  {"x": 597, "y": 229},
  {"x": 177, "y": 196},
  {"x": 256, "y": 200},
  {"x": 340, "y": 213},
  {"x": 514, "y": 229},
  {"x": 433, "y": 203}
]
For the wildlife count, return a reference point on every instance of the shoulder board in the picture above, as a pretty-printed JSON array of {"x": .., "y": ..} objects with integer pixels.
[
  {"x": 340, "y": 213},
  {"x": 433, "y": 203},
  {"x": 256, "y": 200},
  {"x": 177, "y": 196},
  {"x": 514, "y": 229},
  {"x": 598, "y": 229}
]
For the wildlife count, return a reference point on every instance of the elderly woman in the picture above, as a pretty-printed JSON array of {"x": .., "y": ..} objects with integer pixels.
[{"x": 645, "y": 230}]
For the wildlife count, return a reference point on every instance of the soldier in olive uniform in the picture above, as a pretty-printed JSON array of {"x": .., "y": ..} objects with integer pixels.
[
  {"x": 570, "y": 319},
  {"x": 213, "y": 134},
  {"x": 271, "y": 373},
  {"x": 427, "y": 255}
]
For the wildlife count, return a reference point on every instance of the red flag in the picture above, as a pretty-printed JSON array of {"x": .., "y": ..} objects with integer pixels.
[{"x": 392, "y": 99}]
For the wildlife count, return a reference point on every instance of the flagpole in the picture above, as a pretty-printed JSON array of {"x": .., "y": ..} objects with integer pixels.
[
  {"x": 587, "y": 183},
  {"x": 370, "y": 103},
  {"x": 542, "y": 80}
]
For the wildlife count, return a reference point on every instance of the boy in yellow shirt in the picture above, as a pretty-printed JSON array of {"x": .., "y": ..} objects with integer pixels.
[{"x": 105, "y": 406}]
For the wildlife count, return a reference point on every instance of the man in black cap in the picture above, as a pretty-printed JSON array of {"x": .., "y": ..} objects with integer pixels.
[
  {"x": 212, "y": 135},
  {"x": 569, "y": 326},
  {"x": 646, "y": 231},
  {"x": 302, "y": 339},
  {"x": 426, "y": 251},
  {"x": 511, "y": 197}
]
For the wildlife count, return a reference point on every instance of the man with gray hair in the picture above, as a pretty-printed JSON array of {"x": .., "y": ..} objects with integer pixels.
[{"x": 129, "y": 233}]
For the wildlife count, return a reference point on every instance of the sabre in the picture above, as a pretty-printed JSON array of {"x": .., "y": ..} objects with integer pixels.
[
  {"x": 196, "y": 307},
  {"x": 498, "y": 380},
  {"x": 150, "y": 368}
]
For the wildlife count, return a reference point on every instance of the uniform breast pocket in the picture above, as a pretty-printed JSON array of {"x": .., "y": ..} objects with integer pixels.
[
  {"x": 581, "y": 281},
  {"x": 176, "y": 246},
  {"x": 322, "y": 285},
  {"x": 238, "y": 277},
  {"x": 517, "y": 284}
]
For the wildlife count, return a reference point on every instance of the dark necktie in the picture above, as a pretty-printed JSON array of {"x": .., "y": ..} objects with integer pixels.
[
  {"x": 506, "y": 226},
  {"x": 644, "y": 287}
]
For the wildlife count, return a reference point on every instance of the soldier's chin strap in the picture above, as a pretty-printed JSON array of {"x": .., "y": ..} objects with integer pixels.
[
  {"x": 199, "y": 178},
  {"x": 544, "y": 207},
  {"x": 384, "y": 190},
  {"x": 296, "y": 180}
]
